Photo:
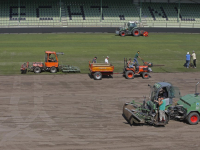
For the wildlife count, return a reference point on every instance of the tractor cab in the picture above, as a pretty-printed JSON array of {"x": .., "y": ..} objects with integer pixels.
[
  {"x": 51, "y": 59},
  {"x": 130, "y": 25},
  {"x": 165, "y": 90}
]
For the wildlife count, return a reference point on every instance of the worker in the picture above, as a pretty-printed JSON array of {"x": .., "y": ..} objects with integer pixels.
[
  {"x": 187, "y": 59},
  {"x": 163, "y": 93},
  {"x": 129, "y": 65},
  {"x": 137, "y": 56},
  {"x": 106, "y": 60},
  {"x": 50, "y": 58},
  {"x": 194, "y": 59},
  {"x": 94, "y": 60},
  {"x": 162, "y": 103}
]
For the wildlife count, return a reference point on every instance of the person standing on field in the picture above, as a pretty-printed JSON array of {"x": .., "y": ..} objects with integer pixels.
[
  {"x": 194, "y": 59},
  {"x": 137, "y": 56},
  {"x": 187, "y": 59},
  {"x": 94, "y": 60},
  {"x": 106, "y": 60}
]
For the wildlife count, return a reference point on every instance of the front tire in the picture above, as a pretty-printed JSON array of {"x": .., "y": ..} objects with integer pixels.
[
  {"x": 193, "y": 118},
  {"x": 97, "y": 76},
  {"x": 129, "y": 75},
  {"x": 37, "y": 70},
  {"x": 53, "y": 70},
  {"x": 122, "y": 33},
  {"x": 145, "y": 75}
]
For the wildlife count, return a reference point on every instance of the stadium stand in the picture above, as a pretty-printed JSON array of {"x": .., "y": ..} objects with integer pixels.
[
  {"x": 169, "y": 12},
  {"x": 88, "y": 12}
]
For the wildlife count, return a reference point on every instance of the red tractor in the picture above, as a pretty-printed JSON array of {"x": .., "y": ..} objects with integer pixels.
[{"x": 143, "y": 70}]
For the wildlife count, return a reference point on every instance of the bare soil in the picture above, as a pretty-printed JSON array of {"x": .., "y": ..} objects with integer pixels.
[{"x": 73, "y": 111}]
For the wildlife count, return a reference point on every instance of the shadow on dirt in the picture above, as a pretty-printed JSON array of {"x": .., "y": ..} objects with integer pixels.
[{"x": 103, "y": 77}]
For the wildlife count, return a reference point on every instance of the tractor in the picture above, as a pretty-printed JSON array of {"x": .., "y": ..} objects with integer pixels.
[
  {"x": 187, "y": 108},
  {"x": 51, "y": 64},
  {"x": 143, "y": 70},
  {"x": 148, "y": 112},
  {"x": 131, "y": 28}
]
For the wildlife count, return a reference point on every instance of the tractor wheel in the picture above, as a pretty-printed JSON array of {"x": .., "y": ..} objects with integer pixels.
[
  {"x": 136, "y": 32},
  {"x": 97, "y": 76},
  {"x": 122, "y": 33},
  {"x": 53, "y": 70},
  {"x": 129, "y": 75},
  {"x": 193, "y": 118},
  {"x": 145, "y": 75},
  {"x": 37, "y": 70}
]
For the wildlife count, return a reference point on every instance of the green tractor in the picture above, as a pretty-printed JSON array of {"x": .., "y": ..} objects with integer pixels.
[
  {"x": 131, "y": 28},
  {"x": 187, "y": 108},
  {"x": 148, "y": 112}
]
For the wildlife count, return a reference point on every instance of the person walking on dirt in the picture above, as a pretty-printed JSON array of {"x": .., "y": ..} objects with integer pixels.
[
  {"x": 187, "y": 59},
  {"x": 94, "y": 60},
  {"x": 106, "y": 60},
  {"x": 129, "y": 65},
  {"x": 194, "y": 59},
  {"x": 137, "y": 56},
  {"x": 162, "y": 103}
]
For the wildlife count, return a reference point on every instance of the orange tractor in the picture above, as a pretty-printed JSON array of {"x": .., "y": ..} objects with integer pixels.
[
  {"x": 51, "y": 64},
  {"x": 143, "y": 70}
]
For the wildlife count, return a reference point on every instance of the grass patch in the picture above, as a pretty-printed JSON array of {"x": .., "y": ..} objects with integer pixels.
[{"x": 168, "y": 49}]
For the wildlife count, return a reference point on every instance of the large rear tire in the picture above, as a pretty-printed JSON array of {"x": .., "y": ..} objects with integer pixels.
[
  {"x": 53, "y": 70},
  {"x": 37, "y": 70},
  {"x": 97, "y": 76},
  {"x": 136, "y": 32},
  {"x": 122, "y": 33},
  {"x": 145, "y": 75},
  {"x": 129, "y": 75},
  {"x": 193, "y": 118}
]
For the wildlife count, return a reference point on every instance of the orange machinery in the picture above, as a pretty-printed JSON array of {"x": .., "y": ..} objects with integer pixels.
[
  {"x": 51, "y": 64},
  {"x": 97, "y": 70},
  {"x": 142, "y": 70}
]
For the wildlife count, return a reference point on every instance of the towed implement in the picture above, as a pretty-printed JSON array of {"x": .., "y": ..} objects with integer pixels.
[
  {"x": 50, "y": 64},
  {"x": 97, "y": 70}
]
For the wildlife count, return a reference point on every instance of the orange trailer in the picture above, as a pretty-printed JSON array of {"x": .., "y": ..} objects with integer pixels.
[{"x": 97, "y": 70}]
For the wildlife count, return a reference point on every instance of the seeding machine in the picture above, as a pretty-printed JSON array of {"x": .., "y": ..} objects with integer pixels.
[{"x": 187, "y": 108}]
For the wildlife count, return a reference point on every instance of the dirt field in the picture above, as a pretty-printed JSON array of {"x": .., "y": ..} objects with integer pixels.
[{"x": 76, "y": 112}]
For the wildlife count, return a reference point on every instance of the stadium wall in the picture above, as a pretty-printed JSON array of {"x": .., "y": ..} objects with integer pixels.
[{"x": 92, "y": 30}]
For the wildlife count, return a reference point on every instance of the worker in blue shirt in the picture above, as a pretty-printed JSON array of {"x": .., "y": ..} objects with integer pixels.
[{"x": 187, "y": 60}]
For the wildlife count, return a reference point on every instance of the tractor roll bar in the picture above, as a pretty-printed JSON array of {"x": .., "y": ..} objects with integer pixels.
[
  {"x": 196, "y": 89},
  {"x": 60, "y": 53}
]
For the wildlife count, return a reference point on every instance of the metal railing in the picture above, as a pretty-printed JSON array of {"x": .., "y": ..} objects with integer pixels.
[{"x": 96, "y": 24}]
